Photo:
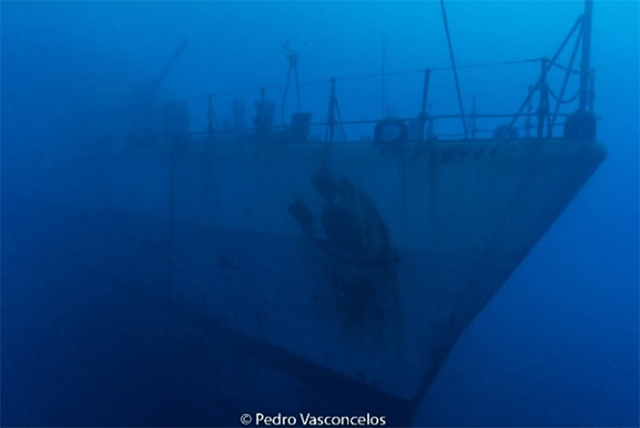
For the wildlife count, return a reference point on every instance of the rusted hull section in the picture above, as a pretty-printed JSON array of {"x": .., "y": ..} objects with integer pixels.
[{"x": 367, "y": 262}]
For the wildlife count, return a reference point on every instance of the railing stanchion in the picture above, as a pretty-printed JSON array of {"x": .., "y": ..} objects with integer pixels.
[
  {"x": 527, "y": 124},
  {"x": 543, "y": 107},
  {"x": 331, "y": 118},
  {"x": 472, "y": 119},
  {"x": 425, "y": 97},
  {"x": 592, "y": 94},
  {"x": 262, "y": 101},
  {"x": 586, "y": 48},
  {"x": 430, "y": 121},
  {"x": 210, "y": 118}
]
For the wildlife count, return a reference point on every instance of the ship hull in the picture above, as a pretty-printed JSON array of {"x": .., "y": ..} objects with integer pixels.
[
  {"x": 156, "y": 361},
  {"x": 364, "y": 261}
]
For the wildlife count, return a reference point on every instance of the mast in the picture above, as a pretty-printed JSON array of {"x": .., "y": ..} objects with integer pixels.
[
  {"x": 586, "y": 51},
  {"x": 455, "y": 71},
  {"x": 382, "y": 71},
  {"x": 169, "y": 64}
]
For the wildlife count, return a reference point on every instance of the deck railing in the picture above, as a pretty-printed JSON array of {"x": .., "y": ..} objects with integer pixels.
[
  {"x": 350, "y": 111},
  {"x": 539, "y": 118}
]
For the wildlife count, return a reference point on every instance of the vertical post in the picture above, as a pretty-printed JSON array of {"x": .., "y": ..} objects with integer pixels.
[
  {"x": 260, "y": 124},
  {"x": 425, "y": 98},
  {"x": 295, "y": 69},
  {"x": 331, "y": 118},
  {"x": 586, "y": 52},
  {"x": 171, "y": 255},
  {"x": 210, "y": 118},
  {"x": 592, "y": 94},
  {"x": 527, "y": 124},
  {"x": 262, "y": 101},
  {"x": 430, "y": 133},
  {"x": 543, "y": 107},
  {"x": 472, "y": 122},
  {"x": 382, "y": 75}
]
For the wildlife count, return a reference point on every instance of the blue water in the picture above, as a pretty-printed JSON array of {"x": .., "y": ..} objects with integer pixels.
[{"x": 557, "y": 346}]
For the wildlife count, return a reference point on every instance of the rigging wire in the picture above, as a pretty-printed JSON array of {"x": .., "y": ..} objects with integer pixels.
[
  {"x": 567, "y": 69},
  {"x": 558, "y": 99},
  {"x": 565, "y": 101},
  {"x": 374, "y": 75}
]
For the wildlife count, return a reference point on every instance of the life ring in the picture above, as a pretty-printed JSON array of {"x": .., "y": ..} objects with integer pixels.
[
  {"x": 505, "y": 132},
  {"x": 391, "y": 131}
]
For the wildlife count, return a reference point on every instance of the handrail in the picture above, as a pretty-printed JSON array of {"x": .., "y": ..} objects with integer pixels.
[{"x": 336, "y": 123}]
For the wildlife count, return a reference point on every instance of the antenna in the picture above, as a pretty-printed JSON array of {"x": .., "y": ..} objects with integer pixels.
[
  {"x": 382, "y": 71},
  {"x": 293, "y": 67},
  {"x": 586, "y": 52}
]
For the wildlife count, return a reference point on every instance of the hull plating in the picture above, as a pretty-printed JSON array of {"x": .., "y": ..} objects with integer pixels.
[{"x": 374, "y": 279}]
